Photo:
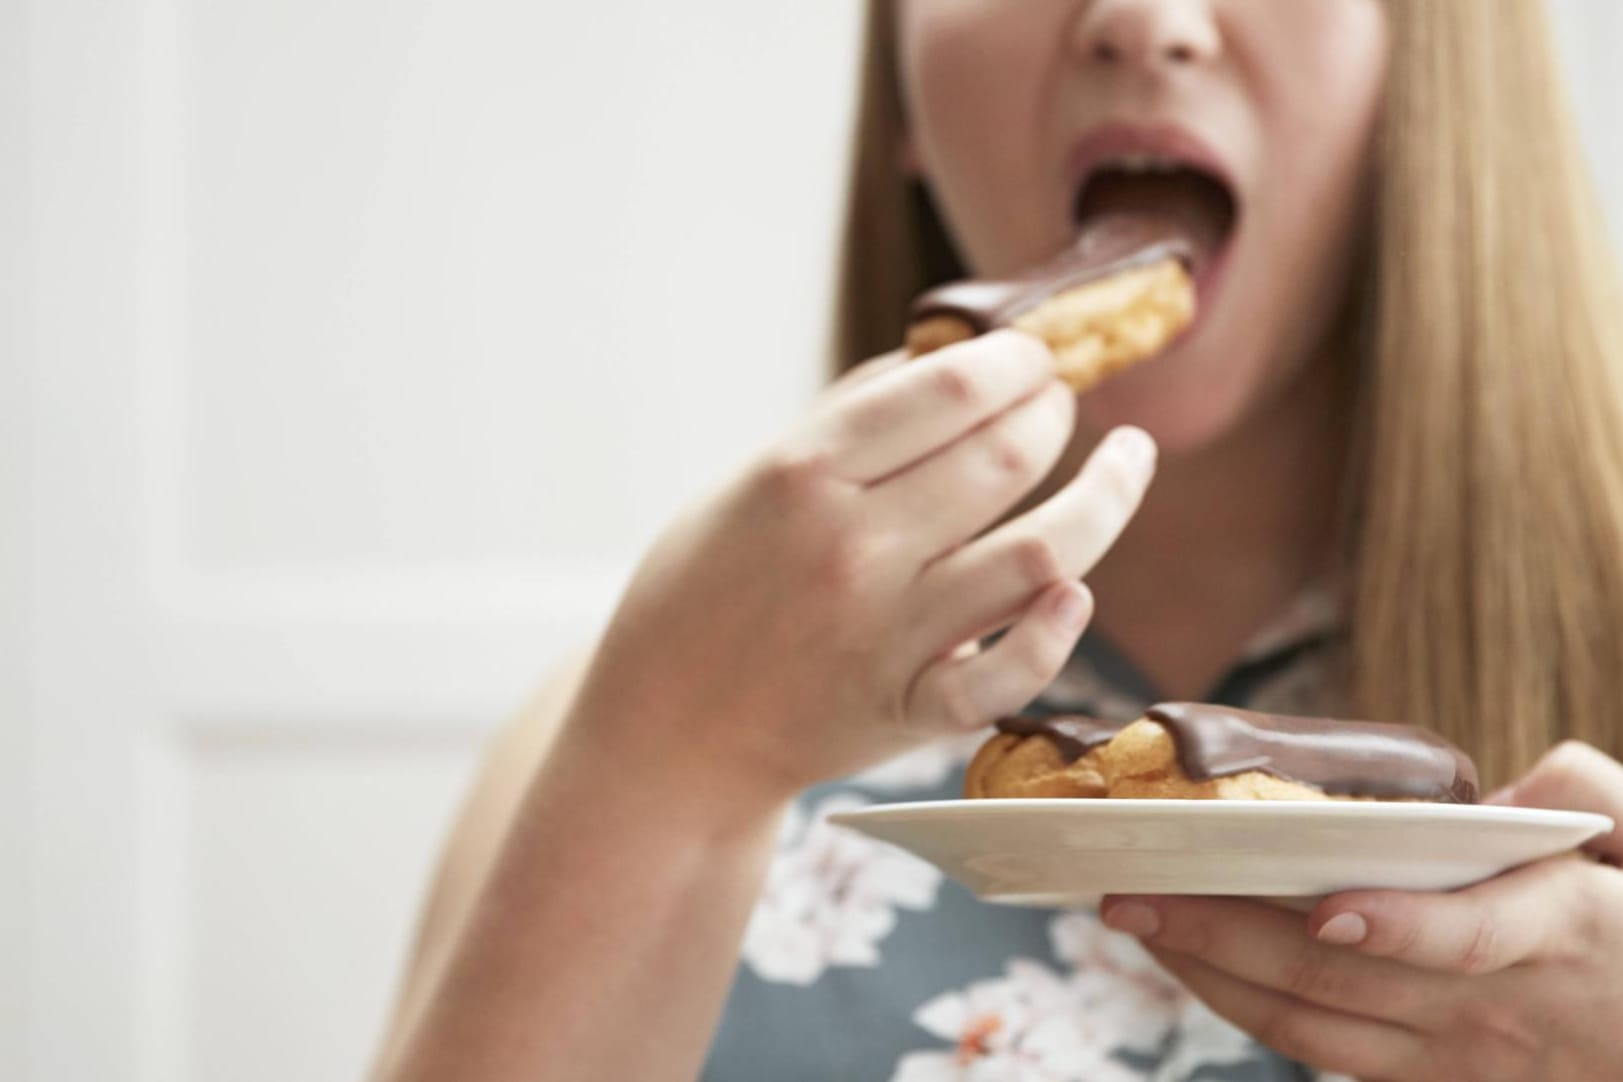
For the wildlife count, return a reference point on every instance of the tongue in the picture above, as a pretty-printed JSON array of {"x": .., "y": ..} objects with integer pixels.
[{"x": 1191, "y": 206}]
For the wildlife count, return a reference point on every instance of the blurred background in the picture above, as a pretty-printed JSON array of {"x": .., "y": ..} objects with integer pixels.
[{"x": 350, "y": 354}]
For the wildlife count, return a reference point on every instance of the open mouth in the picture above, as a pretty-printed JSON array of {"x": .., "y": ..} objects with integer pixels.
[{"x": 1196, "y": 202}]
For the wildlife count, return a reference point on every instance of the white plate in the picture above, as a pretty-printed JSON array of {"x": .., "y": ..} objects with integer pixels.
[{"x": 1069, "y": 852}]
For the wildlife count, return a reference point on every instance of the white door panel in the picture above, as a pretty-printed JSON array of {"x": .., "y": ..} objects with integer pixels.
[
  {"x": 367, "y": 344},
  {"x": 16, "y": 663}
]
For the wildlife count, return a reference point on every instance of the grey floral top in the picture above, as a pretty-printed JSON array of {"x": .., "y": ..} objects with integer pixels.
[{"x": 863, "y": 962}]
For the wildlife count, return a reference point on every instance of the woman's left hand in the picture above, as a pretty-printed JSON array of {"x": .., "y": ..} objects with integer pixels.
[{"x": 1520, "y": 977}]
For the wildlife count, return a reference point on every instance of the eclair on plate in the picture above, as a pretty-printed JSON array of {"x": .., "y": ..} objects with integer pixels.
[{"x": 1195, "y": 751}]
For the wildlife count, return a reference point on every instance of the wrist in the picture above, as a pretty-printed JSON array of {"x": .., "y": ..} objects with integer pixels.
[{"x": 656, "y": 763}]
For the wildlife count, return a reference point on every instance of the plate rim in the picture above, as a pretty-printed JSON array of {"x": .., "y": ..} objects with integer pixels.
[{"x": 1499, "y": 814}]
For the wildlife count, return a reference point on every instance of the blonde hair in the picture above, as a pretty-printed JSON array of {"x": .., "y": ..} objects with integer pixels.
[{"x": 1485, "y": 525}]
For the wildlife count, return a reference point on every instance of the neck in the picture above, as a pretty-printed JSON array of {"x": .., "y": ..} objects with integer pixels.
[{"x": 1226, "y": 538}]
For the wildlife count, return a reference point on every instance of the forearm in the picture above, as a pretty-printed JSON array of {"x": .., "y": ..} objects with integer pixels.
[
  {"x": 604, "y": 941},
  {"x": 755, "y": 652}
]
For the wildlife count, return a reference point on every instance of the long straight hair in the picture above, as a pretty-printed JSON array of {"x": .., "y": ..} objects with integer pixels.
[{"x": 1485, "y": 529}]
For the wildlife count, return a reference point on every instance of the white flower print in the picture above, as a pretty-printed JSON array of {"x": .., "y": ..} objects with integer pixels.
[
  {"x": 923, "y": 767},
  {"x": 830, "y": 897},
  {"x": 1133, "y": 998},
  {"x": 1201, "y": 1039},
  {"x": 1031, "y": 1025},
  {"x": 1146, "y": 1005},
  {"x": 1038, "y": 1025}
]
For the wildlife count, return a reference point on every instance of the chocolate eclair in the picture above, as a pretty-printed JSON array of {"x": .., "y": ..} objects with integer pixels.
[
  {"x": 1119, "y": 295},
  {"x": 1202, "y": 752}
]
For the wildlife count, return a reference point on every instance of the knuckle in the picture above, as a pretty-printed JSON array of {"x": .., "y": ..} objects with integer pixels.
[
  {"x": 842, "y": 562},
  {"x": 1591, "y": 906},
  {"x": 958, "y": 388},
  {"x": 1036, "y": 561},
  {"x": 789, "y": 476},
  {"x": 1008, "y": 457},
  {"x": 1310, "y": 976},
  {"x": 956, "y": 698},
  {"x": 1479, "y": 950},
  {"x": 1405, "y": 938}
]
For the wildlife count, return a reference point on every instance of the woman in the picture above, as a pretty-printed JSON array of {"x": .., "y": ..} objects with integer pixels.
[{"x": 1389, "y": 483}]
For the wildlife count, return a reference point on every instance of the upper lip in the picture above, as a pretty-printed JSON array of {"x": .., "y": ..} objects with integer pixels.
[{"x": 1114, "y": 142}]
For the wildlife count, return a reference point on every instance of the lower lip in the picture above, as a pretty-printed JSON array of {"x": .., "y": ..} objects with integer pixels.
[{"x": 1208, "y": 281}]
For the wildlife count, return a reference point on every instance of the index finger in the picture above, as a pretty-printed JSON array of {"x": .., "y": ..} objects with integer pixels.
[
  {"x": 873, "y": 427},
  {"x": 1513, "y": 918}
]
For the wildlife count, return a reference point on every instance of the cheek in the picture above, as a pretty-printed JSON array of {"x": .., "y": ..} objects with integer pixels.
[
  {"x": 1319, "y": 101},
  {"x": 1319, "y": 127},
  {"x": 951, "y": 57},
  {"x": 971, "y": 75},
  {"x": 1317, "y": 104}
]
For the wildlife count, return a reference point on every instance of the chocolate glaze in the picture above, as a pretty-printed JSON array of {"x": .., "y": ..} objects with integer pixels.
[
  {"x": 1362, "y": 758},
  {"x": 1114, "y": 244},
  {"x": 1074, "y": 734}
]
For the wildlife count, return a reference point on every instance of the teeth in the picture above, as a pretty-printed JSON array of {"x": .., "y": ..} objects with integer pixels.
[{"x": 1142, "y": 163}]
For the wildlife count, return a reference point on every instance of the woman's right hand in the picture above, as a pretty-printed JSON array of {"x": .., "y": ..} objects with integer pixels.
[{"x": 822, "y": 612}]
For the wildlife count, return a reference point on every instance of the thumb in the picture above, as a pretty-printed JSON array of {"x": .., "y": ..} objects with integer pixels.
[{"x": 1574, "y": 776}]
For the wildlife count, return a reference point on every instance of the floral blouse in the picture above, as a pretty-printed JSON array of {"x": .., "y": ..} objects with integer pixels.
[{"x": 863, "y": 962}]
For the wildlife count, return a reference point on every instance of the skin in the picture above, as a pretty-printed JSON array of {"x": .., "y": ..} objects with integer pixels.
[{"x": 819, "y": 613}]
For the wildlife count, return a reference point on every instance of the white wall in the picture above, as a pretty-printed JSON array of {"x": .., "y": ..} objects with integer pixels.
[
  {"x": 363, "y": 346},
  {"x": 1590, "y": 36},
  {"x": 15, "y": 400},
  {"x": 367, "y": 346},
  {"x": 445, "y": 261}
]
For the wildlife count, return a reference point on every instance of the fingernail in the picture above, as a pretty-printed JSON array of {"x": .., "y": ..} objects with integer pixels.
[
  {"x": 1503, "y": 795},
  {"x": 1134, "y": 918},
  {"x": 1135, "y": 445},
  {"x": 1343, "y": 930},
  {"x": 1072, "y": 607}
]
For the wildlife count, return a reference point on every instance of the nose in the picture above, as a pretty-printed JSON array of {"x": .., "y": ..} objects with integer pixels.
[{"x": 1148, "y": 33}]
